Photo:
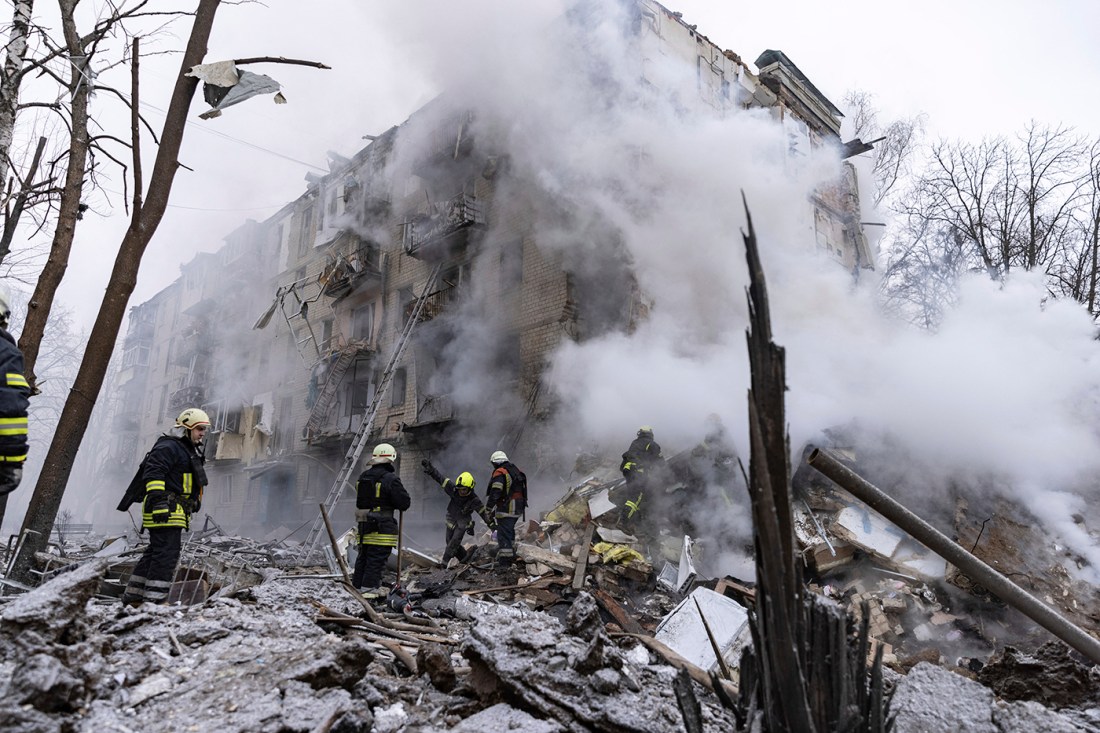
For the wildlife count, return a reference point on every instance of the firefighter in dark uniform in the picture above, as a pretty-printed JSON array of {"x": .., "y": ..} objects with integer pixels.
[
  {"x": 174, "y": 479},
  {"x": 460, "y": 510},
  {"x": 641, "y": 462},
  {"x": 507, "y": 500},
  {"x": 379, "y": 493},
  {"x": 14, "y": 394}
]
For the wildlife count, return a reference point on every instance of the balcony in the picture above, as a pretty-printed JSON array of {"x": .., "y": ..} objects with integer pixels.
[
  {"x": 443, "y": 231},
  {"x": 435, "y": 304},
  {"x": 444, "y": 145},
  {"x": 188, "y": 346},
  {"x": 139, "y": 334},
  {"x": 345, "y": 272},
  {"x": 181, "y": 399}
]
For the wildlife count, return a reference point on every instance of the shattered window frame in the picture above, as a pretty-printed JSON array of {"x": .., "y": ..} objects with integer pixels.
[{"x": 362, "y": 322}]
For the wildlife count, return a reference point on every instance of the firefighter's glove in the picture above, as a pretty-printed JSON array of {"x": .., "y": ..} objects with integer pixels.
[
  {"x": 432, "y": 471},
  {"x": 196, "y": 504},
  {"x": 10, "y": 476},
  {"x": 159, "y": 508},
  {"x": 470, "y": 529}
]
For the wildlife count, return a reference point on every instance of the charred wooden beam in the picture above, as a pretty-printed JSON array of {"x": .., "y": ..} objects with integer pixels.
[
  {"x": 625, "y": 621},
  {"x": 783, "y": 693},
  {"x": 807, "y": 669}
]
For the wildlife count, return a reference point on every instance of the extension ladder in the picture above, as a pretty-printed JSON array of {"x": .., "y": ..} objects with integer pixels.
[{"x": 359, "y": 442}]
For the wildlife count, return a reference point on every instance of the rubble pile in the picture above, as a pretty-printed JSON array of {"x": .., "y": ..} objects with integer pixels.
[
  {"x": 591, "y": 629},
  {"x": 271, "y": 658}
]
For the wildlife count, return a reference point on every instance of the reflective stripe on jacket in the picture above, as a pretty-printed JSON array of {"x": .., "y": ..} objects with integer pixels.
[
  {"x": 380, "y": 492},
  {"x": 169, "y": 475},
  {"x": 500, "y": 497},
  {"x": 14, "y": 396}
]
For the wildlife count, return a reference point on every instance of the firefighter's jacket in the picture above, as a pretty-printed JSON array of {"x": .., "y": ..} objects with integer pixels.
[
  {"x": 642, "y": 455},
  {"x": 14, "y": 394},
  {"x": 378, "y": 494},
  {"x": 174, "y": 479},
  {"x": 504, "y": 495},
  {"x": 464, "y": 502}
]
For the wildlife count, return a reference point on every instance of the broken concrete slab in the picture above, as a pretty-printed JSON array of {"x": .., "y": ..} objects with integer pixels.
[
  {"x": 931, "y": 698},
  {"x": 52, "y": 611},
  {"x": 546, "y": 670},
  {"x": 504, "y": 717}
]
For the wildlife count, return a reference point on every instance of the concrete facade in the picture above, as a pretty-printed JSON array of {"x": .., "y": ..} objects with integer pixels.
[{"x": 317, "y": 296}]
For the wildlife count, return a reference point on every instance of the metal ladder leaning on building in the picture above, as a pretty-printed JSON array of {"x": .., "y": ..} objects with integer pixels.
[{"x": 359, "y": 442}]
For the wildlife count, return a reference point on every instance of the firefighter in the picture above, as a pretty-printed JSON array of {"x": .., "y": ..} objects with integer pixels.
[
  {"x": 14, "y": 394},
  {"x": 378, "y": 494},
  {"x": 641, "y": 461},
  {"x": 464, "y": 503},
  {"x": 507, "y": 498},
  {"x": 174, "y": 479}
]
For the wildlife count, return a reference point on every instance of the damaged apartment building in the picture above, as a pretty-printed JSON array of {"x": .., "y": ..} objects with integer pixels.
[{"x": 283, "y": 335}]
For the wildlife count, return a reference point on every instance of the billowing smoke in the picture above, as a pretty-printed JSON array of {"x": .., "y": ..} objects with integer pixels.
[{"x": 630, "y": 170}]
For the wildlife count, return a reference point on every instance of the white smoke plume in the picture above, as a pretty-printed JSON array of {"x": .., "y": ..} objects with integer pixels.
[{"x": 1007, "y": 388}]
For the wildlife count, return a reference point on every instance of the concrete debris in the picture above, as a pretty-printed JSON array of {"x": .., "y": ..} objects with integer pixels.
[
  {"x": 932, "y": 698},
  {"x": 580, "y": 634}
]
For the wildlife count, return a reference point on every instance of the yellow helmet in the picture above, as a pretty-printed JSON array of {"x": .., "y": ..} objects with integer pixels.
[
  {"x": 192, "y": 417},
  {"x": 645, "y": 432},
  {"x": 383, "y": 453},
  {"x": 465, "y": 480}
]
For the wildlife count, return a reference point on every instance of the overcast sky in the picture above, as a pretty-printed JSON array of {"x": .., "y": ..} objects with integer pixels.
[{"x": 979, "y": 68}]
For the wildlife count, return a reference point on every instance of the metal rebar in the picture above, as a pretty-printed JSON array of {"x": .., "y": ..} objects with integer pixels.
[{"x": 975, "y": 569}]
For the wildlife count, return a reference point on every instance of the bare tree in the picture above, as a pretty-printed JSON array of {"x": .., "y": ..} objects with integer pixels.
[
  {"x": 147, "y": 212},
  {"x": 1011, "y": 202},
  {"x": 79, "y": 50},
  {"x": 1079, "y": 269},
  {"x": 896, "y": 142},
  {"x": 63, "y": 523},
  {"x": 921, "y": 275},
  {"x": 15, "y": 54},
  {"x": 146, "y": 217}
]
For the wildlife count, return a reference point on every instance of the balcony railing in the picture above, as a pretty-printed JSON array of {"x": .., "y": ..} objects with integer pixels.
[
  {"x": 437, "y": 233},
  {"x": 434, "y": 304},
  {"x": 346, "y": 272},
  {"x": 448, "y": 143},
  {"x": 139, "y": 334},
  {"x": 189, "y": 345},
  {"x": 181, "y": 399}
]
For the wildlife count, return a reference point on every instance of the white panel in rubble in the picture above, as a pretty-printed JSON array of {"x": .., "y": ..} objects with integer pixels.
[
  {"x": 683, "y": 631},
  {"x": 868, "y": 531},
  {"x": 599, "y": 505}
]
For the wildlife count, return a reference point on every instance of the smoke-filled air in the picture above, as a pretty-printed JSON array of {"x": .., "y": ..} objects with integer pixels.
[{"x": 648, "y": 184}]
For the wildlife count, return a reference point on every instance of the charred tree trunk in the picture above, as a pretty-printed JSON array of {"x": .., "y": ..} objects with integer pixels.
[
  {"x": 41, "y": 302},
  {"x": 89, "y": 379},
  {"x": 807, "y": 669}
]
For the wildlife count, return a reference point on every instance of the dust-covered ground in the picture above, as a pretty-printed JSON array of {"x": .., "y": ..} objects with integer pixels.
[{"x": 265, "y": 660}]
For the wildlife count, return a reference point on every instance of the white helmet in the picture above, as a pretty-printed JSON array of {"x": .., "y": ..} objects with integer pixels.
[
  {"x": 192, "y": 417},
  {"x": 498, "y": 458},
  {"x": 383, "y": 453}
]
